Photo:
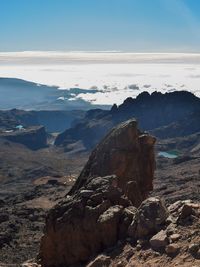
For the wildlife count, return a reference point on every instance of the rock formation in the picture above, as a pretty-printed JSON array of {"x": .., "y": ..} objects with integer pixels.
[
  {"x": 127, "y": 153},
  {"x": 101, "y": 207},
  {"x": 171, "y": 114}
]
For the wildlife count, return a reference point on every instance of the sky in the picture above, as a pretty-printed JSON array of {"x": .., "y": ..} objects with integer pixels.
[
  {"x": 100, "y": 25},
  {"x": 120, "y": 47}
]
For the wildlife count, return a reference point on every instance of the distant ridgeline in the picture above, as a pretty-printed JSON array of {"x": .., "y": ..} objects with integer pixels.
[
  {"x": 53, "y": 120},
  {"x": 164, "y": 115},
  {"x": 20, "y": 94}
]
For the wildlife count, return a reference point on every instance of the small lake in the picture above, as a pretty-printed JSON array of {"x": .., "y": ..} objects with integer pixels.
[{"x": 169, "y": 154}]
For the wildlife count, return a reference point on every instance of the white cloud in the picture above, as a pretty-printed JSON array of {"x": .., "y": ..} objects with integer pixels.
[{"x": 110, "y": 72}]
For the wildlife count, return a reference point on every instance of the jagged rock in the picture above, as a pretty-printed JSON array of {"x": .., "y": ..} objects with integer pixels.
[
  {"x": 128, "y": 154},
  {"x": 151, "y": 215},
  {"x": 99, "y": 210},
  {"x": 171, "y": 114},
  {"x": 159, "y": 241}
]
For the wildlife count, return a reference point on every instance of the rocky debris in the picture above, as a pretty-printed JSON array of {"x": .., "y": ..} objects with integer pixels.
[
  {"x": 33, "y": 137},
  {"x": 127, "y": 153},
  {"x": 99, "y": 217}
]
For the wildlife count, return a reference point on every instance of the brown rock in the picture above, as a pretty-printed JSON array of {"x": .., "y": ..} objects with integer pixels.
[
  {"x": 100, "y": 209},
  {"x": 123, "y": 152},
  {"x": 159, "y": 241},
  {"x": 151, "y": 215},
  {"x": 186, "y": 211},
  {"x": 75, "y": 230},
  {"x": 172, "y": 249}
]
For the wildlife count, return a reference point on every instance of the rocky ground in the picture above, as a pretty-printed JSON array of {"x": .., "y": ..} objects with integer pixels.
[
  {"x": 100, "y": 214},
  {"x": 177, "y": 244},
  {"x": 32, "y": 182}
]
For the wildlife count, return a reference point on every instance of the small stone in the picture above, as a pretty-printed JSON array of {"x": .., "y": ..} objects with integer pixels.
[
  {"x": 138, "y": 247},
  {"x": 175, "y": 237},
  {"x": 186, "y": 211},
  {"x": 159, "y": 241},
  {"x": 172, "y": 249},
  {"x": 193, "y": 248},
  {"x": 198, "y": 254}
]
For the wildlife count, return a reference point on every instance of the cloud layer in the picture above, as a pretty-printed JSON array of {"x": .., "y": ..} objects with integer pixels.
[{"x": 114, "y": 75}]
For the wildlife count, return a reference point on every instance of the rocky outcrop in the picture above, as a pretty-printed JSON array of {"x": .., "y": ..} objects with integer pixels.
[
  {"x": 33, "y": 137},
  {"x": 100, "y": 208},
  {"x": 127, "y": 153}
]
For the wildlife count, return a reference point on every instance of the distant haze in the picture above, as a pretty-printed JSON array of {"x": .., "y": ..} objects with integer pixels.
[{"x": 115, "y": 75}]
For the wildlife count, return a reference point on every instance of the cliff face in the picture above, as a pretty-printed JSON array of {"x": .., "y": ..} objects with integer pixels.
[{"x": 101, "y": 208}]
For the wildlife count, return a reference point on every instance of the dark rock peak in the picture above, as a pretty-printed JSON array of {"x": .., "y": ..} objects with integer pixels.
[{"x": 151, "y": 110}]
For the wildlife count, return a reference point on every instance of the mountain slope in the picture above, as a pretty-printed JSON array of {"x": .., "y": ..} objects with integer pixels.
[
  {"x": 17, "y": 93},
  {"x": 152, "y": 111}
]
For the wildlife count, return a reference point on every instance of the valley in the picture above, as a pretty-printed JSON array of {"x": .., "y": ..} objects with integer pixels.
[{"x": 33, "y": 181}]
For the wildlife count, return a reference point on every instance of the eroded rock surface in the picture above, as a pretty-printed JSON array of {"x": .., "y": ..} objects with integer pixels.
[
  {"x": 100, "y": 208},
  {"x": 127, "y": 153}
]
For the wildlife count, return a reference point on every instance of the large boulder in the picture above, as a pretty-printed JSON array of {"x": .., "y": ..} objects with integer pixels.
[
  {"x": 85, "y": 223},
  {"x": 152, "y": 214},
  {"x": 99, "y": 209}
]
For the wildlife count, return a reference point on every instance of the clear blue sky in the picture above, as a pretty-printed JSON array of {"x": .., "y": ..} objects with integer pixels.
[{"x": 126, "y": 25}]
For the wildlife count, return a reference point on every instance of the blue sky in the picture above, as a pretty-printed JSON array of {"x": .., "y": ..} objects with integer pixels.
[{"x": 125, "y": 25}]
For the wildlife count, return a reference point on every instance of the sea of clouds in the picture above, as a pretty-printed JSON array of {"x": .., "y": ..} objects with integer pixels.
[{"x": 115, "y": 75}]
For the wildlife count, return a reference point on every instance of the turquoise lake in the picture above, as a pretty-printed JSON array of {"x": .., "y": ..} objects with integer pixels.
[{"x": 169, "y": 155}]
